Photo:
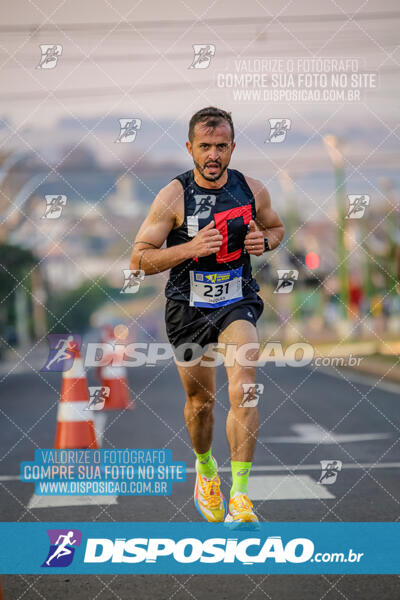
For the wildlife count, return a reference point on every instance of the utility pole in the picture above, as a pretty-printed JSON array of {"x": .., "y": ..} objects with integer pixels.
[{"x": 336, "y": 156}]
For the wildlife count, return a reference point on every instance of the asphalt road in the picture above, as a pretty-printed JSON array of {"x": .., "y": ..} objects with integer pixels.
[{"x": 298, "y": 407}]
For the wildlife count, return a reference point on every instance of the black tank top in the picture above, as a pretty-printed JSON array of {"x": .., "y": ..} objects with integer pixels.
[{"x": 231, "y": 207}]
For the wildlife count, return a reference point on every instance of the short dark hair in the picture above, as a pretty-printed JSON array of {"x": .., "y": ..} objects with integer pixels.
[{"x": 211, "y": 117}]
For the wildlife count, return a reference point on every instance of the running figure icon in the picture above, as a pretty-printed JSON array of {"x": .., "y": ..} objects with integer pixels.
[
  {"x": 63, "y": 353},
  {"x": 62, "y": 549}
]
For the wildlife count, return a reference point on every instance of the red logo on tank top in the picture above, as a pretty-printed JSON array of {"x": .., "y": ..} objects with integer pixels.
[{"x": 221, "y": 223}]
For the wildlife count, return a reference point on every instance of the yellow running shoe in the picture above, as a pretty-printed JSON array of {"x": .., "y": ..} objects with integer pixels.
[
  {"x": 241, "y": 511},
  {"x": 208, "y": 498}
]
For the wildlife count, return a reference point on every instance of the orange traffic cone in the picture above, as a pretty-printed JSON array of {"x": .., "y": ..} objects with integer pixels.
[
  {"x": 115, "y": 378},
  {"x": 75, "y": 426}
]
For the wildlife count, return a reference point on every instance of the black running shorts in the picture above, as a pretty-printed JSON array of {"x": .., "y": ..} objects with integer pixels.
[{"x": 196, "y": 325}]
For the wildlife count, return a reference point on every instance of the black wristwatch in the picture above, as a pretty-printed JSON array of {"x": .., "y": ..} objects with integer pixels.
[{"x": 266, "y": 245}]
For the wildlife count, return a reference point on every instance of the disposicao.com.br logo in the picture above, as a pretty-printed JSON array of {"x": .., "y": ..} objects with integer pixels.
[
  {"x": 156, "y": 548},
  {"x": 247, "y": 551}
]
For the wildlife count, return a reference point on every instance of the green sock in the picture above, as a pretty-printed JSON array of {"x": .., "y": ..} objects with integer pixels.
[
  {"x": 240, "y": 476},
  {"x": 206, "y": 465}
]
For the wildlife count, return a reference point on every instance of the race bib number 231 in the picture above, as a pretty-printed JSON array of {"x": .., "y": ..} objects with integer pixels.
[{"x": 210, "y": 289}]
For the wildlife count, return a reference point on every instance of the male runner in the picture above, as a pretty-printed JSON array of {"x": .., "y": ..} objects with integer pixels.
[{"x": 212, "y": 219}]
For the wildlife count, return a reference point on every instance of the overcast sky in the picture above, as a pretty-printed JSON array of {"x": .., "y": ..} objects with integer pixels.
[
  {"x": 126, "y": 55},
  {"x": 131, "y": 59}
]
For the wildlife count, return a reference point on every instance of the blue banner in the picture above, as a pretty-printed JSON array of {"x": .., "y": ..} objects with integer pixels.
[{"x": 154, "y": 548}]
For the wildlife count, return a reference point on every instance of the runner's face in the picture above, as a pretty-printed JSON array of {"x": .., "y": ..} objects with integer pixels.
[{"x": 211, "y": 150}]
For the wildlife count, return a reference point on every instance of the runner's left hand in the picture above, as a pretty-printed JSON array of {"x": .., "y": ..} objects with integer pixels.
[{"x": 254, "y": 240}]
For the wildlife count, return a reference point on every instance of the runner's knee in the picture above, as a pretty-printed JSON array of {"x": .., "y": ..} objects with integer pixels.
[
  {"x": 200, "y": 400},
  {"x": 239, "y": 376},
  {"x": 238, "y": 387}
]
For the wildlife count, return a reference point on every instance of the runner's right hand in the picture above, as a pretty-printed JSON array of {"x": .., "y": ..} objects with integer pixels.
[{"x": 207, "y": 241}]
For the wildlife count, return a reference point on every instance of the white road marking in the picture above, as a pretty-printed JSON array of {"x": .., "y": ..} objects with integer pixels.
[
  {"x": 287, "y": 487},
  {"x": 38, "y": 501},
  {"x": 309, "y": 433},
  {"x": 100, "y": 422}
]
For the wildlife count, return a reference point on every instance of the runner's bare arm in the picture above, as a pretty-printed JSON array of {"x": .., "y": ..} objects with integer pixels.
[
  {"x": 147, "y": 254},
  {"x": 267, "y": 220}
]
